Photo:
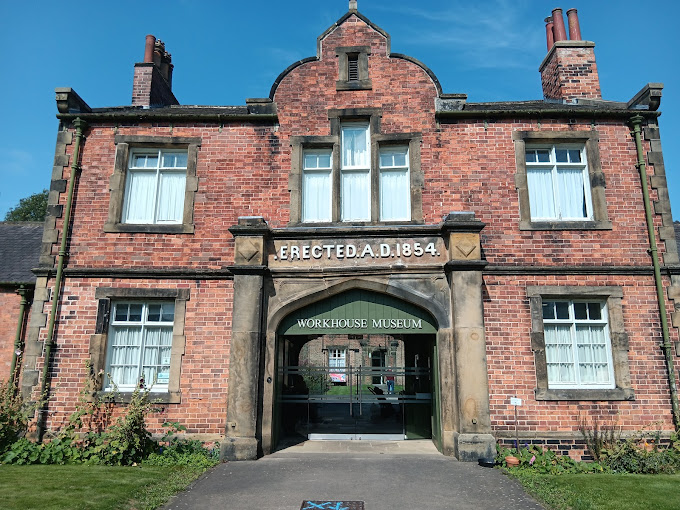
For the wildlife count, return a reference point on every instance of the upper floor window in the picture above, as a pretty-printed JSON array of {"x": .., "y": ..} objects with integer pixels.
[
  {"x": 355, "y": 175},
  {"x": 154, "y": 187},
  {"x": 154, "y": 184},
  {"x": 395, "y": 184},
  {"x": 560, "y": 181},
  {"x": 317, "y": 185},
  {"x": 559, "y": 188}
]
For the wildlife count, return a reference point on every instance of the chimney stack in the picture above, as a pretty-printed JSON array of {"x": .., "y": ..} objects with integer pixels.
[
  {"x": 574, "y": 28},
  {"x": 568, "y": 72},
  {"x": 152, "y": 82}
]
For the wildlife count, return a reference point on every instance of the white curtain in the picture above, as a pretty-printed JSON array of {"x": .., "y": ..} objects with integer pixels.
[
  {"x": 356, "y": 196},
  {"x": 125, "y": 351},
  {"x": 157, "y": 345},
  {"x": 570, "y": 186},
  {"x": 355, "y": 152},
  {"x": 140, "y": 197},
  {"x": 559, "y": 353},
  {"x": 592, "y": 354},
  {"x": 541, "y": 197},
  {"x": 316, "y": 196},
  {"x": 395, "y": 196},
  {"x": 171, "y": 197}
]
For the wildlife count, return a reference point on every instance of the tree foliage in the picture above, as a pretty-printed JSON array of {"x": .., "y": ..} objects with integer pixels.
[{"x": 32, "y": 208}]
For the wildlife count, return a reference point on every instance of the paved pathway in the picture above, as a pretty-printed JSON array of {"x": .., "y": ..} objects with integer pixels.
[{"x": 408, "y": 475}]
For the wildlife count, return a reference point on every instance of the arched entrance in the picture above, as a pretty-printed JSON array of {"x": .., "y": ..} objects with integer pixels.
[{"x": 357, "y": 365}]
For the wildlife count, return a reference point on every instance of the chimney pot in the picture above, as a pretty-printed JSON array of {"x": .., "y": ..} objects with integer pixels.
[
  {"x": 550, "y": 39},
  {"x": 148, "y": 48},
  {"x": 559, "y": 31},
  {"x": 574, "y": 28}
]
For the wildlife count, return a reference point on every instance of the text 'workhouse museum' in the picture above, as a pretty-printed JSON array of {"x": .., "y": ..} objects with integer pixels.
[{"x": 360, "y": 255}]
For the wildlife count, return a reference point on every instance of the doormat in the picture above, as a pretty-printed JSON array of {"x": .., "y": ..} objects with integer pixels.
[{"x": 332, "y": 505}]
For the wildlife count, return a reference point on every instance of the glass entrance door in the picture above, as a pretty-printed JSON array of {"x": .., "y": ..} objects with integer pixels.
[{"x": 335, "y": 387}]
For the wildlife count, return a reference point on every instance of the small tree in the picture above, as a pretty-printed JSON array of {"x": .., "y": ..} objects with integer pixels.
[{"x": 32, "y": 208}]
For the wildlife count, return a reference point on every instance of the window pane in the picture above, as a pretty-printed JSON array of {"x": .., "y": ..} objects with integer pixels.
[
  {"x": 135, "y": 312},
  {"x": 356, "y": 196},
  {"x": 154, "y": 313},
  {"x": 168, "y": 312},
  {"x": 592, "y": 354},
  {"x": 543, "y": 155},
  {"x": 559, "y": 354},
  {"x": 548, "y": 310},
  {"x": 562, "y": 309},
  {"x": 571, "y": 192},
  {"x": 124, "y": 357},
  {"x": 580, "y": 311},
  {"x": 145, "y": 160},
  {"x": 541, "y": 197},
  {"x": 316, "y": 196},
  {"x": 386, "y": 159},
  {"x": 355, "y": 150},
  {"x": 171, "y": 197},
  {"x": 395, "y": 195},
  {"x": 574, "y": 156},
  {"x": 121, "y": 313},
  {"x": 561, "y": 155},
  {"x": 595, "y": 311},
  {"x": 175, "y": 159},
  {"x": 530, "y": 156},
  {"x": 140, "y": 197}
]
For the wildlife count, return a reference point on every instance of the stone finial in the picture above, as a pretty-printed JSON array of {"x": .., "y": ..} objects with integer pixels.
[{"x": 352, "y": 5}]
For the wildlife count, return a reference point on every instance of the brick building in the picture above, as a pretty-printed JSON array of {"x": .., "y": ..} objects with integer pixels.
[{"x": 363, "y": 255}]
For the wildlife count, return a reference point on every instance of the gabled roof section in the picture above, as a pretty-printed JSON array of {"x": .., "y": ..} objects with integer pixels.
[
  {"x": 19, "y": 251},
  {"x": 319, "y": 47}
]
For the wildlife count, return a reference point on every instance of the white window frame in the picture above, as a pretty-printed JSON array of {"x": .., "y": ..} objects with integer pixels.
[
  {"x": 405, "y": 201},
  {"x": 554, "y": 166},
  {"x": 573, "y": 323},
  {"x": 337, "y": 359},
  {"x": 143, "y": 325},
  {"x": 318, "y": 169},
  {"x": 349, "y": 168},
  {"x": 159, "y": 170}
]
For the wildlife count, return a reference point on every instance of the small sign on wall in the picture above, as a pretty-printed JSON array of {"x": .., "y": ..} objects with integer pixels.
[{"x": 514, "y": 401}]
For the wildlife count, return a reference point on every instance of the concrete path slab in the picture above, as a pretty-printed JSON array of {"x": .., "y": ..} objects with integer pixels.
[{"x": 408, "y": 475}]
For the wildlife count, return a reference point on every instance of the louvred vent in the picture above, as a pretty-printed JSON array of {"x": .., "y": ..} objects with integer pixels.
[{"x": 353, "y": 67}]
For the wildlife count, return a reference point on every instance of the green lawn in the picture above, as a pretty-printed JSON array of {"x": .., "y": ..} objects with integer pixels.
[
  {"x": 604, "y": 492},
  {"x": 80, "y": 487}
]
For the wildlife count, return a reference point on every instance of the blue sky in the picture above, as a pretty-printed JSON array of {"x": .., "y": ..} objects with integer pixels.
[{"x": 226, "y": 51}]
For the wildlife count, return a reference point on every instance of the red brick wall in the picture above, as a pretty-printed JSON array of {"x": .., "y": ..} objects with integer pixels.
[
  {"x": 511, "y": 360},
  {"x": 205, "y": 364},
  {"x": 9, "y": 315}
]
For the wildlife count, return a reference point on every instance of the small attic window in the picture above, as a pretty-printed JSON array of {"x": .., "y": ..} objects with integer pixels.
[{"x": 353, "y": 68}]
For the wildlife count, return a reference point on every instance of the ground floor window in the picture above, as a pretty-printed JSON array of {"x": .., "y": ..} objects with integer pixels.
[{"x": 140, "y": 343}]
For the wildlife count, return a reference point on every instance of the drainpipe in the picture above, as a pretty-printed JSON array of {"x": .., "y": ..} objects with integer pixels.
[
  {"x": 23, "y": 292},
  {"x": 666, "y": 345},
  {"x": 49, "y": 343}
]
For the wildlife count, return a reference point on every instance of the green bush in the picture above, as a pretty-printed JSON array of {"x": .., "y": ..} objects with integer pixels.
[
  {"x": 176, "y": 451},
  {"x": 536, "y": 459},
  {"x": 13, "y": 416}
]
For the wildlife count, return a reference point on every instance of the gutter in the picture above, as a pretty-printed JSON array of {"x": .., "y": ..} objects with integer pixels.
[
  {"x": 666, "y": 345},
  {"x": 80, "y": 125},
  {"x": 589, "y": 113}
]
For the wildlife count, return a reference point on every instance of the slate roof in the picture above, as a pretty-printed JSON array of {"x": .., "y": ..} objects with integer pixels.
[{"x": 19, "y": 250}]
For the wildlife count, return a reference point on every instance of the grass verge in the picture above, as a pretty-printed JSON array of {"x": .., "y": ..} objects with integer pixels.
[
  {"x": 603, "y": 491},
  {"x": 83, "y": 487}
]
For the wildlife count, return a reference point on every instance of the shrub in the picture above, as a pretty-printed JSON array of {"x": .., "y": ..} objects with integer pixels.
[
  {"x": 176, "y": 451},
  {"x": 546, "y": 461},
  {"x": 13, "y": 416}
]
